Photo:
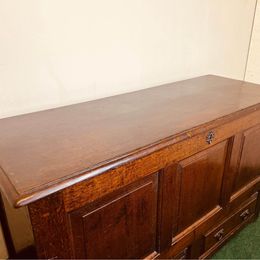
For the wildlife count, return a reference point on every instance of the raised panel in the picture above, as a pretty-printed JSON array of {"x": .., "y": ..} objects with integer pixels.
[
  {"x": 201, "y": 183},
  {"x": 249, "y": 167},
  {"x": 122, "y": 226}
]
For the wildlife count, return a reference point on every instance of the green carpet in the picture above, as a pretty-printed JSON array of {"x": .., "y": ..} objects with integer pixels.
[{"x": 244, "y": 245}]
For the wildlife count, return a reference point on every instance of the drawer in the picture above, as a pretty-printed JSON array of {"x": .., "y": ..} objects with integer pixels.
[{"x": 222, "y": 231}]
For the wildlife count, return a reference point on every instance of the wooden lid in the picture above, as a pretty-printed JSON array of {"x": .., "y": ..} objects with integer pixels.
[{"x": 43, "y": 152}]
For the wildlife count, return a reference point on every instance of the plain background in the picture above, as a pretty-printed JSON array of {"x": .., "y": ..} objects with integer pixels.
[{"x": 59, "y": 52}]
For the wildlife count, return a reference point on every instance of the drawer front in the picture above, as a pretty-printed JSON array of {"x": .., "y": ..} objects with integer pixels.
[
  {"x": 221, "y": 232},
  {"x": 180, "y": 248}
]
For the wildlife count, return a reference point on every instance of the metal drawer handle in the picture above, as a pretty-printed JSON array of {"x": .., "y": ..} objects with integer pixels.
[
  {"x": 210, "y": 136},
  {"x": 184, "y": 254},
  {"x": 244, "y": 215},
  {"x": 219, "y": 235}
]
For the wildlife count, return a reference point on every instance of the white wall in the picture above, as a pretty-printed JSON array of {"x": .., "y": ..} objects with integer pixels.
[
  {"x": 20, "y": 227},
  {"x": 56, "y": 52},
  {"x": 253, "y": 67}
]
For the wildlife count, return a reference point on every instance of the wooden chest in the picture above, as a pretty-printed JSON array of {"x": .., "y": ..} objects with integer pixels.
[{"x": 166, "y": 172}]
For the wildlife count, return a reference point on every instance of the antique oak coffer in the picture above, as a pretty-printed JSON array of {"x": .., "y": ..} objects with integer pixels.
[{"x": 166, "y": 172}]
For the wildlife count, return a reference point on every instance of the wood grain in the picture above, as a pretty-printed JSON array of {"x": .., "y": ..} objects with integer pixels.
[
  {"x": 50, "y": 228},
  {"x": 201, "y": 181},
  {"x": 173, "y": 150},
  {"x": 121, "y": 226},
  {"x": 249, "y": 167},
  {"x": 44, "y": 152},
  {"x": 168, "y": 199}
]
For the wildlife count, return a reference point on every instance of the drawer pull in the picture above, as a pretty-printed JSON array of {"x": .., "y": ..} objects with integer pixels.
[
  {"x": 184, "y": 254},
  {"x": 244, "y": 215},
  {"x": 219, "y": 235},
  {"x": 210, "y": 136}
]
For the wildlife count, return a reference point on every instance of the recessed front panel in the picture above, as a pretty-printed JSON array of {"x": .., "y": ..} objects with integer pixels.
[
  {"x": 123, "y": 226},
  {"x": 249, "y": 167},
  {"x": 201, "y": 181}
]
